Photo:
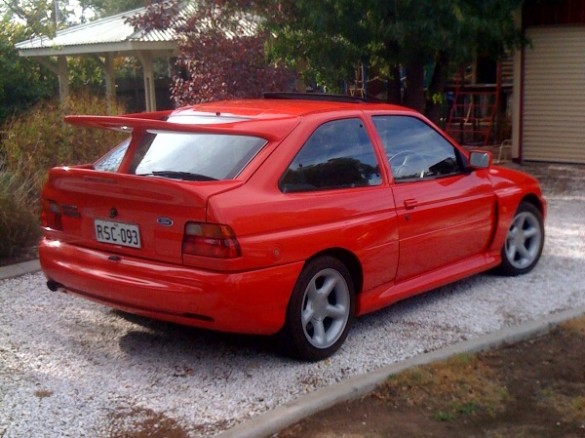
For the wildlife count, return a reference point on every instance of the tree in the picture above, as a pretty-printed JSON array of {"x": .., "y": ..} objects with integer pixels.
[
  {"x": 44, "y": 17},
  {"x": 105, "y": 8},
  {"x": 222, "y": 50},
  {"x": 23, "y": 82},
  {"x": 327, "y": 39},
  {"x": 37, "y": 14},
  {"x": 415, "y": 36}
]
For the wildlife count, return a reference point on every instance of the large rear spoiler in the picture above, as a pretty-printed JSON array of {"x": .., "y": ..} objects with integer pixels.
[{"x": 155, "y": 121}]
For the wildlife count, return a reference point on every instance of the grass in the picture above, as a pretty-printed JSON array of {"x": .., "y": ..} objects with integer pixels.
[
  {"x": 533, "y": 388},
  {"x": 466, "y": 384}
]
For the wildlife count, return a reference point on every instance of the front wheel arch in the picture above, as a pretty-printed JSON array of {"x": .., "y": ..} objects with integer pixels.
[{"x": 533, "y": 199}]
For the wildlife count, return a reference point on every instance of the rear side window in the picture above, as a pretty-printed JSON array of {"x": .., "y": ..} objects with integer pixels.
[
  {"x": 339, "y": 154},
  {"x": 194, "y": 156},
  {"x": 111, "y": 161}
]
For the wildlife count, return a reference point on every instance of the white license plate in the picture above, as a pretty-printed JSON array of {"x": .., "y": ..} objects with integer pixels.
[{"x": 117, "y": 233}]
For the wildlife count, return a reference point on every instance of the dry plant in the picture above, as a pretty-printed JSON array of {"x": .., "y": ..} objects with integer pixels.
[{"x": 32, "y": 143}]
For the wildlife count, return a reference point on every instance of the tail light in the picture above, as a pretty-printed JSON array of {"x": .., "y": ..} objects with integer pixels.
[
  {"x": 210, "y": 240},
  {"x": 51, "y": 215}
]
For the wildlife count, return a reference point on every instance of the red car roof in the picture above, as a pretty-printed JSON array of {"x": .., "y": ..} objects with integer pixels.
[
  {"x": 255, "y": 110},
  {"x": 276, "y": 108}
]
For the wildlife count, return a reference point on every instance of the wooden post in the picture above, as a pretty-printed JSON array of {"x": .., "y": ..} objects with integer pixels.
[
  {"x": 110, "y": 82},
  {"x": 149, "y": 86}
]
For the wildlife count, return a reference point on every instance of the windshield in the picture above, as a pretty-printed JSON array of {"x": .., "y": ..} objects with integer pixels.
[{"x": 194, "y": 156}]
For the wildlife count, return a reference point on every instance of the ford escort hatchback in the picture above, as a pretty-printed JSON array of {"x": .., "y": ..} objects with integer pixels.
[{"x": 283, "y": 215}]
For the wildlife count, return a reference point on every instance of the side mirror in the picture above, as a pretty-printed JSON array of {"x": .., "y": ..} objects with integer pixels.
[{"x": 480, "y": 159}]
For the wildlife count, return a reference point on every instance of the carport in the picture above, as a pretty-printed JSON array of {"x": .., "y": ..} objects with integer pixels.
[{"x": 104, "y": 39}]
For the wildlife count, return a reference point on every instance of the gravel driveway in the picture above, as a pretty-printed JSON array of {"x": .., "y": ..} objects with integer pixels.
[{"x": 71, "y": 368}]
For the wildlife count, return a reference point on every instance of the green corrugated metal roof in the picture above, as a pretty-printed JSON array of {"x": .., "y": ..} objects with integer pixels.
[
  {"x": 111, "y": 34},
  {"x": 114, "y": 34}
]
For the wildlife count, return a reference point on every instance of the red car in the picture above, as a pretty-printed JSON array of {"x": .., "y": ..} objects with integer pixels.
[{"x": 282, "y": 216}]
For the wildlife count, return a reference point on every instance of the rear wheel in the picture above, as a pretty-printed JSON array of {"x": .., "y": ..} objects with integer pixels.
[
  {"x": 524, "y": 241},
  {"x": 320, "y": 311}
]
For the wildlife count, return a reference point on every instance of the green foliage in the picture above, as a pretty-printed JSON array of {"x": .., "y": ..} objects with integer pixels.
[
  {"x": 413, "y": 44},
  {"x": 105, "y": 8},
  {"x": 456, "y": 409},
  {"x": 321, "y": 39},
  {"x": 31, "y": 144},
  {"x": 23, "y": 82},
  {"x": 221, "y": 52},
  {"x": 443, "y": 416},
  {"x": 85, "y": 72},
  {"x": 329, "y": 38},
  {"x": 37, "y": 14},
  {"x": 44, "y": 17}
]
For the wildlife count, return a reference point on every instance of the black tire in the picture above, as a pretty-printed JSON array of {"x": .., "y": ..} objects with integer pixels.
[
  {"x": 524, "y": 241},
  {"x": 320, "y": 312}
]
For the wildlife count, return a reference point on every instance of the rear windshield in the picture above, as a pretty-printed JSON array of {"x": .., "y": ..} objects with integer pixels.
[{"x": 194, "y": 156}]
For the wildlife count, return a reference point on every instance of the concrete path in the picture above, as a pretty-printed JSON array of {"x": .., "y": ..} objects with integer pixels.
[
  {"x": 18, "y": 269},
  {"x": 273, "y": 421}
]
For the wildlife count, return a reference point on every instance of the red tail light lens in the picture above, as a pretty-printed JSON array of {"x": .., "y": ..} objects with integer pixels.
[
  {"x": 210, "y": 240},
  {"x": 51, "y": 215}
]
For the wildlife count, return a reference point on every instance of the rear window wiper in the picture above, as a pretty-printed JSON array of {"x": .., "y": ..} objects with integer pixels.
[{"x": 188, "y": 176}]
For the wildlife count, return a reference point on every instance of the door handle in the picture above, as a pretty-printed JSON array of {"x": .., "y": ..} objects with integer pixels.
[{"x": 409, "y": 204}]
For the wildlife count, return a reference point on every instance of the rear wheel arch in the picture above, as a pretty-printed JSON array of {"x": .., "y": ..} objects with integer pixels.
[{"x": 351, "y": 262}]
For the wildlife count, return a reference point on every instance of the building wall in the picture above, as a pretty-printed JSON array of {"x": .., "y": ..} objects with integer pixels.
[
  {"x": 553, "y": 117},
  {"x": 549, "y": 123}
]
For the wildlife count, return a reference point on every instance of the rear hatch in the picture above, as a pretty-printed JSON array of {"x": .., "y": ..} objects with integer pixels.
[
  {"x": 143, "y": 197},
  {"x": 124, "y": 214}
]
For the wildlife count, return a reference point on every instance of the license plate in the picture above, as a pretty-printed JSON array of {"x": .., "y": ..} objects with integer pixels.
[{"x": 117, "y": 233}]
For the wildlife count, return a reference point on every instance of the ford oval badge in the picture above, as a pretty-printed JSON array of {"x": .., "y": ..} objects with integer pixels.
[{"x": 165, "y": 221}]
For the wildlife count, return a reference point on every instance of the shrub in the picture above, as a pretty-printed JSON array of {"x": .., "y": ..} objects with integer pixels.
[
  {"x": 18, "y": 224},
  {"x": 32, "y": 143},
  {"x": 39, "y": 139}
]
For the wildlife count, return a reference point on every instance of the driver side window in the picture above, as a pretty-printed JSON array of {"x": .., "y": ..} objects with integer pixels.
[{"x": 416, "y": 151}]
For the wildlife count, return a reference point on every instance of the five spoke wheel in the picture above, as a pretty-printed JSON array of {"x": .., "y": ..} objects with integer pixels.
[
  {"x": 524, "y": 241},
  {"x": 325, "y": 309},
  {"x": 320, "y": 311}
]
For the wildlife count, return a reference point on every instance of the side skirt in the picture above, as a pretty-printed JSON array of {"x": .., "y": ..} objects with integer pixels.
[{"x": 383, "y": 296}]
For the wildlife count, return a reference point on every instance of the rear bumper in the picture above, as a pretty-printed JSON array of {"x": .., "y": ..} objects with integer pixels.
[{"x": 244, "y": 302}]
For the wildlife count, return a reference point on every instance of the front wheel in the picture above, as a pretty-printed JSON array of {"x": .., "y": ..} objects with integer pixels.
[
  {"x": 320, "y": 311},
  {"x": 524, "y": 241}
]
